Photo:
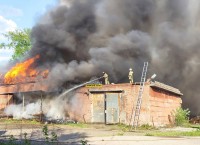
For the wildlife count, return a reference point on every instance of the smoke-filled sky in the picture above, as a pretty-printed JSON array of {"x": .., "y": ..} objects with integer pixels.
[{"x": 80, "y": 39}]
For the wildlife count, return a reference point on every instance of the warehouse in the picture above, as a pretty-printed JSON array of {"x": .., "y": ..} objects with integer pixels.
[
  {"x": 115, "y": 103},
  {"x": 108, "y": 104}
]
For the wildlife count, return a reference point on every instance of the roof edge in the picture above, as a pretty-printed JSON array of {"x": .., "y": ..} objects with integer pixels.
[{"x": 166, "y": 87}]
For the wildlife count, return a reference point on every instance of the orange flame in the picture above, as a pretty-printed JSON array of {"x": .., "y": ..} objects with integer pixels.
[{"x": 21, "y": 71}]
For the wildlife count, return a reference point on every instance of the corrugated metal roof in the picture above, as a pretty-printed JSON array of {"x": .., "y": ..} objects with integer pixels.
[{"x": 165, "y": 87}]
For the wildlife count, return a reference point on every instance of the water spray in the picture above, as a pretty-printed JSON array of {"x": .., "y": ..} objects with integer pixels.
[{"x": 76, "y": 87}]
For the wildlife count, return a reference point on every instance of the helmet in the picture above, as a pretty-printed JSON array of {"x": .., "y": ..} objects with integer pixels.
[
  {"x": 130, "y": 69},
  {"x": 103, "y": 72}
]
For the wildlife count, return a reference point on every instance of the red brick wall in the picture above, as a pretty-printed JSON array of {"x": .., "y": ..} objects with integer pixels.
[
  {"x": 157, "y": 105},
  {"x": 5, "y": 100},
  {"x": 80, "y": 108},
  {"x": 128, "y": 95},
  {"x": 26, "y": 87},
  {"x": 132, "y": 97},
  {"x": 129, "y": 102},
  {"x": 163, "y": 103}
]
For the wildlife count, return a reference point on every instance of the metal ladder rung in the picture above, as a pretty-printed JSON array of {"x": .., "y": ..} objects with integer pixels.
[{"x": 139, "y": 100}]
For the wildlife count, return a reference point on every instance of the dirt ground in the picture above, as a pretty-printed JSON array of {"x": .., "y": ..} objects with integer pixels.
[
  {"x": 142, "y": 140},
  {"x": 94, "y": 136}
]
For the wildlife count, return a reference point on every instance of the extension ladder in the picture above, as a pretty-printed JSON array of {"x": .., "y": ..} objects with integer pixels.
[{"x": 139, "y": 100}]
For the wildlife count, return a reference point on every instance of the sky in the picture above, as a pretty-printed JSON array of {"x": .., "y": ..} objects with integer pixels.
[{"x": 19, "y": 14}]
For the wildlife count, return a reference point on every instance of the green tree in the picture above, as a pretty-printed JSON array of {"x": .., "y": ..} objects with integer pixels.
[{"x": 19, "y": 41}]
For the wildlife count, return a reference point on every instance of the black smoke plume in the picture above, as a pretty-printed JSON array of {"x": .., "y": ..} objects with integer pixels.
[{"x": 79, "y": 39}]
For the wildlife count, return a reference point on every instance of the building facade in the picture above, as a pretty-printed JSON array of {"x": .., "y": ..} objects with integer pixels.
[{"x": 115, "y": 103}]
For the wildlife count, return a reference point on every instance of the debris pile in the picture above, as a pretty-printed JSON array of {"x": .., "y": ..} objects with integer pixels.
[{"x": 195, "y": 120}]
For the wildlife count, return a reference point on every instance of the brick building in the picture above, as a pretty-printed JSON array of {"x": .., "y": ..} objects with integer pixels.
[
  {"x": 115, "y": 103},
  {"x": 8, "y": 92}
]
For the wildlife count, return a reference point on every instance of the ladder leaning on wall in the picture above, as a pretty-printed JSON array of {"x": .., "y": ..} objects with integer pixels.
[{"x": 139, "y": 100}]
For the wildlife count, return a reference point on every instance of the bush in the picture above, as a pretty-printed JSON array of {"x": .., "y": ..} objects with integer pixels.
[
  {"x": 181, "y": 116},
  {"x": 146, "y": 127},
  {"x": 84, "y": 142}
]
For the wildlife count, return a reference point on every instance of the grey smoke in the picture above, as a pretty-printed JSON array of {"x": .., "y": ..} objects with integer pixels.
[
  {"x": 81, "y": 39},
  {"x": 52, "y": 106},
  {"x": 18, "y": 111}
]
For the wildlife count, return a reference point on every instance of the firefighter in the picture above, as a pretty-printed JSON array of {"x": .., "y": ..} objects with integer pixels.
[
  {"x": 130, "y": 75},
  {"x": 105, "y": 76}
]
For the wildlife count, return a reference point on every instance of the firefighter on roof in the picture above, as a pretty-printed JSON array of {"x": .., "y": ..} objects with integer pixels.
[
  {"x": 130, "y": 76},
  {"x": 105, "y": 76}
]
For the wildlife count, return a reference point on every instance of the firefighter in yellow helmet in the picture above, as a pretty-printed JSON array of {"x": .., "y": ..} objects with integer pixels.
[
  {"x": 130, "y": 75},
  {"x": 105, "y": 76}
]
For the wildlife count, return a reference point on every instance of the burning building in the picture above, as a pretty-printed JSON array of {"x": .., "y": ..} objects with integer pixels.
[
  {"x": 94, "y": 103},
  {"x": 114, "y": 103},
  {"x": 79, "y": 39},
  {"x": 25, "y": 92}
]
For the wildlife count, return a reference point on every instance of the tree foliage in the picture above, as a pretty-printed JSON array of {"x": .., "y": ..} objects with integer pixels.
[{"x": 19, "y": 41}]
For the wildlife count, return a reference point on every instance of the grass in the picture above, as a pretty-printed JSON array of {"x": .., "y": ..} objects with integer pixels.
[
  {"x": 16, "y": 121},
  {"x": 123, "y": 127},
  {"x": 119, "y": 127},
  {"x": 120, "y": 134},
  {"x": 77, "y": 125},
  {"x": 197, "y": 126},
  {"x": 177, "y": 133},
  {"x": 126, "y": 128},
  {"x": 174, "y": 133},
  {"x": 146, "y": 127}
]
